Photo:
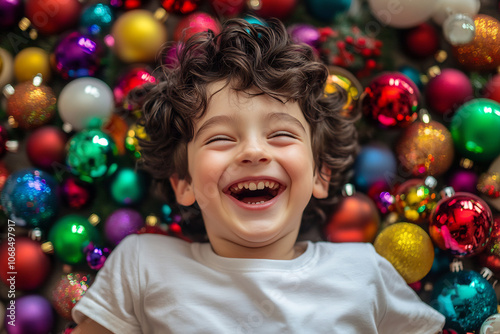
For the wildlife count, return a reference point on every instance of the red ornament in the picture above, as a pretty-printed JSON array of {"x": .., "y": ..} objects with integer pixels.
[
  {"x": 136, "y": 77},
  {"x": 46, "y": 147},
  {"x": 4, "y": 174},
  {"x": 195, "y": 23},
  {"x": 448, "y": 90},
  {"x": 4, "y": 137},
  {"x": 280, "y": 9},
  {"x": 391, "y": 99},
  {"x": 31, "y": 264},
  {"x": 75, "y": 193},
  {"x": 125, "y": 4},
  {"x": 461, "y": 224},
  {"x": 490, "y": 257},
  {"x": 69, "y": 290},
  {"x": 54, "y": 16},
  {"x": 492, "y": 89},
  {"x": 227, "y": 8},
  {"x": 355, "y": 219},
  {"x": 180, "y": 6},
  {"x": 421, "y": 41}
]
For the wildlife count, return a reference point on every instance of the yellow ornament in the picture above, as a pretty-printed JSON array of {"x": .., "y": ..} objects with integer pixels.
[
  {"x": 408, "y": 248},
  {"x": 7, "y": 70},
  {"x": 31, "y": 61},
  {"x": 138, "y": 36},
  {"x": 346, "y": 80},
  {"x": 134, "y": 134}
]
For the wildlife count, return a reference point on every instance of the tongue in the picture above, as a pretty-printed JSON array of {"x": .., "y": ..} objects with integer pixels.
[{"x": 255, "y": 199}]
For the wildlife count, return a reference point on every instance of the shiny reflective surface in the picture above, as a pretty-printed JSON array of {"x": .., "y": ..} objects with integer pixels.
[
  {"x": 414, "y": 201},
  {"x": 69, "y": 290}
]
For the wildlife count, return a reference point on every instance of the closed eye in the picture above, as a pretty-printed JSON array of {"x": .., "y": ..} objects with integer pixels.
[
  {"x": 283, "y": 133},
  {"x": 217, "y": 138}
]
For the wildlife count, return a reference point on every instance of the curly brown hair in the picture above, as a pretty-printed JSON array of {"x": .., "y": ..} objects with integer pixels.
[{"x": 247, "y": 56}]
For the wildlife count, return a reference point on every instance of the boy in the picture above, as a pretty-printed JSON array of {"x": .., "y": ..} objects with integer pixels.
[{"x": 242, "y": 129}]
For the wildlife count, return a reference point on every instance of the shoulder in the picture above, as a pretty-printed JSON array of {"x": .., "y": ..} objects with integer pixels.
[{"x": 359, "y": 251}]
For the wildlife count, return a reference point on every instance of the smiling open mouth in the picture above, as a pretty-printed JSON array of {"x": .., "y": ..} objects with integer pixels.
[{"x": 255, "y": 192}]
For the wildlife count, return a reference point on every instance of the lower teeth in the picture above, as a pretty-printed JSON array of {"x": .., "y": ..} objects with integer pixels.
[{"x": 255, "y": 202}]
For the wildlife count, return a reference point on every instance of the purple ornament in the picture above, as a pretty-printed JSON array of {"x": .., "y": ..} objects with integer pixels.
[
  {"x": 11, "y": 11},
  {"x": 464, "y": 181},
  {"x": 77, "y": 55},
  {"x": 30, "y": 314},
  {"x": 96, "y": 256},
  {"x": 304, "y": 33},
  {"x": 121, "y": 223},
  {"x": 170, "y": 59}
]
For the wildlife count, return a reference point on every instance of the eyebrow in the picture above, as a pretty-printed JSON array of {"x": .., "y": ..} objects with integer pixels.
[
  {"x": 281, "y": 116},
  {"x": 220, "y": 119}
]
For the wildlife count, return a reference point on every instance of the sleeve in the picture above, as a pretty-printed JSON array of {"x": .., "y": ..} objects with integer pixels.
[
  {"x": 402, "y": 310},
  {"x": 113, "y": 300}
]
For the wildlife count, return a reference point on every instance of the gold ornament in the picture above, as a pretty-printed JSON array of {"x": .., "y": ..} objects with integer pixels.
[
  {"x": 483, "y": 53},
  {"x": 346, "y": 80},
  {"x": 134, "y": 134},
  {"x": 7, "y": 71},
  {"x": 31, "y": 61},
  {"x": 408, "y": 248},
  {"x": 138, "y": 36}
]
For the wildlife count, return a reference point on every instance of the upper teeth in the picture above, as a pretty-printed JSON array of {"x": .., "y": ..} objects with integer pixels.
[{"x": 252, "y": 185}]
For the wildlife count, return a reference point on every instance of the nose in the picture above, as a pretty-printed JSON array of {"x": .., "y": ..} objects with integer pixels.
[{"x": 253, "y": 152}]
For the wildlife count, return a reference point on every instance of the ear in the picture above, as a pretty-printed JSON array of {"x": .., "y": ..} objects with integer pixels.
[
  {"x": 184, "y": 193},
  {"x": 321, "y": 182}
]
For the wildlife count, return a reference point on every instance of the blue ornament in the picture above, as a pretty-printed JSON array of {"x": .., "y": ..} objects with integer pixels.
[
  {"x": 30, "y": 198},
  {"x": 465, "y": 298},
  {"x": 327, "y": 10},
  {"x": 255, "y": 20},
  {"x": 97, "y": 19},
  {"x": 412, "y": 73},
  {"x": 375, "y": 162}
]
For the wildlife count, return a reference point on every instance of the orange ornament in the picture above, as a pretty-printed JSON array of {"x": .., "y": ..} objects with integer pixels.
[{"x": 483, "y": 53}]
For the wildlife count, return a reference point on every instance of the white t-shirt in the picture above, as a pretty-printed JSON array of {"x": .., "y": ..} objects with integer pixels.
[{"x": 158, "y": 284}]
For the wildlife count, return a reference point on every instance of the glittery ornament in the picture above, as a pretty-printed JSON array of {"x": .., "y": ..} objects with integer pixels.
[
  {"x": 46, "y": 147},
  {"x": 304, "y": 33},
  {"x": 461, "y": 224},
  {"x": 408, "y": 248},
  {"x": 97, "y": 19},
  {"x": 280, "y": 9},
  {"x": 30, "y": 62},
  {"x": 30, "y": 198},
  {"x": 121, "y": 223},
  {"x": 75, "y": 193},
  {"x": 463, "y": 180},
  {"x": 96, "y": 256},
  {"x": 391, "y": 100},
  {"x": 32, "y": 265},
  {"x": 421, "y": 41},
  {"x": 459, "y": 29},
  {"x": 489, "y": 184},
  {"x": 134, "y": 134},
  {"x": 31, "y": 106},
  {"x": 69, "y": 237},
  {"x": 7, "y": 68},
  {"x": 447, "y": 91},
  {"x": 4, "y": 137},
  {"x": 77, "y": 55},
  {"x": 53, "y": 17},
  {"x": 133, "y": 78},
  {"x": 474, "y": 128},
  {"x": 355, "y": 219},
  {"x": 425, "y": 149},
  {"x": 491, "y": 325},
  {"x": 346, "y": 80},
  {"x": 375, "y": 162},
  {"x": 194, "y": 23},
  {"x": 91, "y": 154},
  {"x": 483, "y": 53},
  {"x": 69, "y": 290},
  {"x": 327, "y": 10},
  {"x": 138, "y": 36},
  {"x": 490, "y": 257},
  {"x": 180, "y": 6},
  {"x": 227, "y": 8},
  {"x": 465, "y": 298},
  {"x": 11, "y": 11},
  {"x": 33, "y": 315},
  {"x": 415, "y": 199},
  {"x": 128, "y": 186},
  {"x": 83, "y": 100},
  {"x": 492, "y": 88},
  {"x": 125, "y": 4}
]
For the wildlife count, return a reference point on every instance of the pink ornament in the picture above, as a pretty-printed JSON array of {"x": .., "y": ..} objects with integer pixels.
[
  {"x": 227, "y": 8},
  {"x": 304, "y": 33},
  {"x": 492, "y": 89},
  {"x": 195, "y": 23},
  {"x": 170, "y": 58},
  {"x": 54, "y": 16},
  {"x": 121, "y": 223},
  {"x": 391, "y": 100},
  {"x": 447, "y": 91},
  {"x": 134, "y": 78},
  {"x": 463, "y": 181},
  {"x": 461, "y": 224},
  {"x": 280, "y": 9}
]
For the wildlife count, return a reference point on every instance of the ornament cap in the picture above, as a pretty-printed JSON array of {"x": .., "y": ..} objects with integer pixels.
[
  {"x": 424, "y": 116},
  {"x": 348, "y": 190},
  {"x": 431, "y": 182},
  {"x": 456, "y": 265},
  {"x": 447, "y": 192},
  {"x": 486, "y": 273}
]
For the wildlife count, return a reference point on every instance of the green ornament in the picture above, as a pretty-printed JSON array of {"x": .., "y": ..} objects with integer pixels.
[
  {"x": 69, "y": 237},
  {"x": 475, "y": 128},
  {"x": 128, "y": 186},
  {"x": 92, "y": 154}
]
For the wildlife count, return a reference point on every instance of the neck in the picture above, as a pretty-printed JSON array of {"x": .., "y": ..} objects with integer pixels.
[{"x": 281, "y": 249}]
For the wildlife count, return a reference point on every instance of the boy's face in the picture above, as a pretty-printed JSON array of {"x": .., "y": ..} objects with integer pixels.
[{"x": 252, "y": 169}]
